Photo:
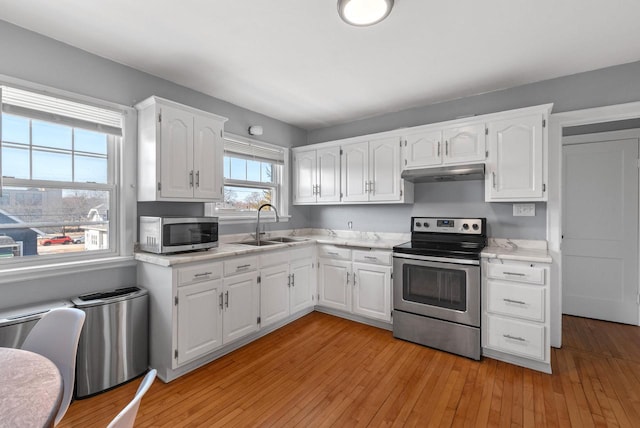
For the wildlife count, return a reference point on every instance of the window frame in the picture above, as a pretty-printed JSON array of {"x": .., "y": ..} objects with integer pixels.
[
  {"x": 281, "y": 184},
  {"x": 121, "y": 168}
]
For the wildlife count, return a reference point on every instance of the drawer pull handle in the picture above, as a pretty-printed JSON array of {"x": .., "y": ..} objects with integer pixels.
[
  {"x": 221, "y": 305},
  {"x": 226, "y": 299},
  {"x": 371, "y": 258},
  {"x": 514, "y": 273},
  {"x": 198, "y": 275},
  {"x": 347, "y": 277},
  {"x": 242, "y": 267},
  {"x": 508, "y": 336},
  {"x": 293, "y": 279},
  {"x": 515, "y": 301},
  {"x": 332, "y": 253},
  {"x": 289, "y": 280}
]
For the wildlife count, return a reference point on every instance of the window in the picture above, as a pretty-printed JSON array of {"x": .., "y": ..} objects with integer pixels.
[
  {"x": 253, "y": 175},
  {"x": 60, "y": 169}
]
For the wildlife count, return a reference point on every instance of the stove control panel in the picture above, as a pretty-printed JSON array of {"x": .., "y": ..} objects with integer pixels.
[{"x": 472, "y": 226}]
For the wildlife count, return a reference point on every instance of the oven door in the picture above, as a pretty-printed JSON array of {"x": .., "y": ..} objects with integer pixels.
[{"x": 439, "y": 289}]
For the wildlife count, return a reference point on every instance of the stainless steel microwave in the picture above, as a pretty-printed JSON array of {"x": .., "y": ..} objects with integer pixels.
[{"x": 166, "y": 235}]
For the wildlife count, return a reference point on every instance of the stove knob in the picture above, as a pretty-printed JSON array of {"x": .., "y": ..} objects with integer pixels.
[
  {"x": 476, "y": 227},
  {"x": 465, "y": 226},
  {"x": 418, "y": 224},
  {"x": 426, "y": 225}
]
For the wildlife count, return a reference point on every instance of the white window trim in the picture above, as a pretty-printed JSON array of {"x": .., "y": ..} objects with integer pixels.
[
  {"x": 125, "y": 194},
  {"x": 250, "y": 216}
]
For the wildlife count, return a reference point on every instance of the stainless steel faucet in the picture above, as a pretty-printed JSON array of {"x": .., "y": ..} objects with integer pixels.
[{"x": 258, "y": 222}]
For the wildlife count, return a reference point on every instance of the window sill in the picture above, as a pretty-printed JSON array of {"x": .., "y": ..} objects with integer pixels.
[
  {"x": 249, "y": 218},
  {"x": 27, "y": 273}
]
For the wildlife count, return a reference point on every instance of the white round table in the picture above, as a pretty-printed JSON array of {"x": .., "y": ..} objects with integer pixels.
[{"x": 30, "y": 389}]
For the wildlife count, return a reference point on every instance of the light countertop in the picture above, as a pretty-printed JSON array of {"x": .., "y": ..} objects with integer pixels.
[{"x": 517, "y": 249}]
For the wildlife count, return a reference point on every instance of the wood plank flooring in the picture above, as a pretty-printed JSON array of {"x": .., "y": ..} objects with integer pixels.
[{"x": 323, "y": 371}]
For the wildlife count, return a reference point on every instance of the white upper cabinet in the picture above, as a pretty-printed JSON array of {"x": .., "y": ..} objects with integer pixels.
[
  {"x": 436, "y": 146},
  {"x": 515, "y": 168},
  {"x": 371, "y": 171},
  {"x": 180, "y": 152},
  {"x": 316, "y": 176}
]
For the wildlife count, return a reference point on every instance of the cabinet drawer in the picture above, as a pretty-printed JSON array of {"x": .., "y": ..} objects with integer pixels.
[
  {"x": 517, "y": 300},
  {"x": 373, "y": 256},
  {"x": 272, "y": 258},
  {"x": 198, "y": 273},
  {"x": 516, "y": 337},
  {"x": 240, "y": 265},
  {"x": 332, "y": 252},
  {"x": 521, "y": 273}
]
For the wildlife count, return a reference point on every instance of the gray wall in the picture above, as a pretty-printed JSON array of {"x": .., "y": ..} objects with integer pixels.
[
  {"x": 614, "y": 85},
  {"x": 35, "y": 58}
]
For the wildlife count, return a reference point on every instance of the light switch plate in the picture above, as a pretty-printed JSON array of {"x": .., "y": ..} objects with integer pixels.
[{"x": 524, "y": 210}]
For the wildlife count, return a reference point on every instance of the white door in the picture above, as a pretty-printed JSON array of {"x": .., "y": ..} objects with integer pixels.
[
  {"x": 199, "y": 319},
  {"x": 241, "y": 306},
  {"x": 304, "y": 177},
  {"x": 207, "y": 159},
  {"x": 301, "y": 291},
  {"x": 274, "y": 294},
  {"x": 355, "y": 172},
  {"x": 515, "y": 167},
  {"x": 384, "y": 170},
  {"x": 372, "y": 291},
  {"x": 176, "y": 154},
  {"x": 335, "y": 280},
  {"x": 600, "y": 229},
  {"x": 328, "y": 175},
  {"x": 464, "y": 144},
  {"x": 423, "y": 149}
]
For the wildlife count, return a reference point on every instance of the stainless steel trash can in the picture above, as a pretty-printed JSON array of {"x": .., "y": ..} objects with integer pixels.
[
  {"x": 17, "y": 322},
  {"x": 113, "y": 346}
]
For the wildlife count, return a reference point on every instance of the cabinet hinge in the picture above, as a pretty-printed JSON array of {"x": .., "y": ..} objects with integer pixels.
[
  {"x": 175, "y": 354},
  {"x": 405, "y": 161},
  {"x": 486, "y": 131},
  {"x": 544, "y": 187},
  {"x": 400, "y": 143},
  {"x": 175, "y": 300},
  {"x": 313, "y": 298},
  {"x": 258, "y": 320},
  {"x": 391, "y": 275},
  {"x": 159, "y": 117},
  {"x": 638, "y": 299},
  {"x": 400, "y": 193},
  {"x": 222, "y": 133},
  {"x": 486, "y": 154},
  {"x": 340, "y": 195},
  {"x": 259, "y": 279},
  {"x": 159, "y": 186},
  {"x": 405, "y": 143},
  {"x": 544, "y": 123},
  {"x": 340, "y": 152}
]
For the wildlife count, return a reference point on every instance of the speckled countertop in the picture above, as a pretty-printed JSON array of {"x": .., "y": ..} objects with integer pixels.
[
  {"x": 517, "y": 249},
  {"x": 229, "y": 244}
]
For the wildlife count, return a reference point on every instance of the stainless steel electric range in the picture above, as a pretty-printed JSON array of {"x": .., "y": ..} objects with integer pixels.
[{"x": 436, "y": 284}]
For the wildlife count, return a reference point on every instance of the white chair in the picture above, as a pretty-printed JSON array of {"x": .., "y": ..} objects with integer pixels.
[
  {"x": 56, "y": 336},
  {"x": 127, "y": 416}
]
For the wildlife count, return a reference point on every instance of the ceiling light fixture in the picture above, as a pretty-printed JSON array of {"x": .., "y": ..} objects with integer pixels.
[{"x": 362, "y": 13}]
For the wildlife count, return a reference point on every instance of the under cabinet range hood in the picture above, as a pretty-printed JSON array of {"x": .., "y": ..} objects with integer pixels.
[{"x": 444, "y": 173}]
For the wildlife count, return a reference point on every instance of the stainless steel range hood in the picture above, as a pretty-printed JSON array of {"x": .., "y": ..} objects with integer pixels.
[{"x": 445, "y": 173}]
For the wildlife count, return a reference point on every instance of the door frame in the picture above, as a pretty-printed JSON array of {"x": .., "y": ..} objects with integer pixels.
[{"x": 557, "y": 122}]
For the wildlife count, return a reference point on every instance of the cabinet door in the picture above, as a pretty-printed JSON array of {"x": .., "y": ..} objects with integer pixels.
[
  {"x": 355, "y": 172},
  {"x": 274, "y": 294},
  {"x": 328, "y": 174},
  {"x": 176, "y": 153},
  {"x": 335, "y": 280},
  {"x": 302, "y": 286},
  {"x": 515, "y": 168},
  {"x": 384, "y": 169},
  {"x": 199, "y": 319},
  {"x": 423, "y": 149},
  {"x": 464, "y": 144},
  {"x": 207, "y": 159},
  {"x": 304, "y": 177},
  {"x": 372, "y": 291},
  {"x": 241, "y": 306}
]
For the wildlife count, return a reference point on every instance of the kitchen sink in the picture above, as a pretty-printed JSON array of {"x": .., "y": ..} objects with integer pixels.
[
  {"x": 256, "y": 243},
  {"x": 282, "y": 239}
]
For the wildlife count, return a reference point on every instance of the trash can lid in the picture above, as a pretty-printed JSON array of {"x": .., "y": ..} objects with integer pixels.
[
  {"x": 109, "y": 296},
  {"x": 20, "y": 314}
]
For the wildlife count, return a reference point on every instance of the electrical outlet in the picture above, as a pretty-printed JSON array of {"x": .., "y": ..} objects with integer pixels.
[
  {"x": 524, "y": 210},
  {"x": 350, "y": 225}
]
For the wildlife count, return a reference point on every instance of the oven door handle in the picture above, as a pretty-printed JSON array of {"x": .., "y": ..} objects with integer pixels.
[{"x": 436, "y": 259}]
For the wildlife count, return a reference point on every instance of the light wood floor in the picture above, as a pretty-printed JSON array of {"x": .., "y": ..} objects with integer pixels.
[{"x": 326, "y": 371}]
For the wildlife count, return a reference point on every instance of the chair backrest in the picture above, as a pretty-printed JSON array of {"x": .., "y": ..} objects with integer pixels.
[
  {"x": 56, "y": 336},
  {"x": 127, "y": 416}
]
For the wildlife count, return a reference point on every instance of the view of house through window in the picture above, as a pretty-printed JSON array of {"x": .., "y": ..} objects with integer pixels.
[{"x": 58, "y": 186}]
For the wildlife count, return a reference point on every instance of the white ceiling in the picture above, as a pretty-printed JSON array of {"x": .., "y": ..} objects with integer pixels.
[{"x": 296, "y": 61}]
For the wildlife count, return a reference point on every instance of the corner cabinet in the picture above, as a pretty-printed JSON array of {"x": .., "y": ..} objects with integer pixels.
[
  {"x": 180, "y": 152},
  {"x": 516, "y": 168}
]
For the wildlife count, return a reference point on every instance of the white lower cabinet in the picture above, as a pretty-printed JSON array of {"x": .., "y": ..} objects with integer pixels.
[
  {"x": 275, "y": 283},
  {"x": 360, "y": 285},
  {"x": 241, "y": 306},
  {"x": 516, "y": 313},
  {"x": 303, "y": 285}
]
